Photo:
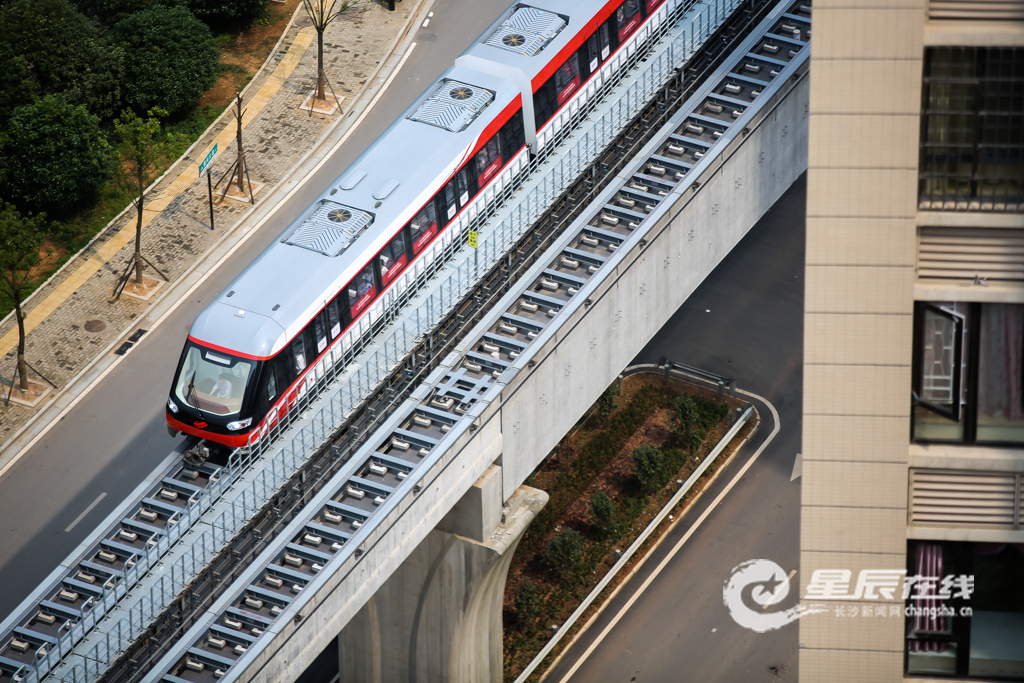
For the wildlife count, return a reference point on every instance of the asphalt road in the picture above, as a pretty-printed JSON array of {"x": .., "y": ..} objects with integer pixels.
[
  {"x": 115, "y": 437},
  {"x": 744, "y": 321}
]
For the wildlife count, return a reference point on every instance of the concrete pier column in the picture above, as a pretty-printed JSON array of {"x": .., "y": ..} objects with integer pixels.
[{"x": 438, "y": 618}]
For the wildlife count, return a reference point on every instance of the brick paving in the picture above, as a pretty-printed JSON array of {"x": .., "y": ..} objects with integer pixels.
[{"x": 177, "y": 235}]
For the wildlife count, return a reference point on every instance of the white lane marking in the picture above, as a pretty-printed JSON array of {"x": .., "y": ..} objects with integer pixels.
[
  {"x": 86, "y": 511},
  {"x": 241, "y": 240},
  {"x": 779, "y": 589},
  {"x": 426, "y": 23},
  {"x": 678, "y": 546}
]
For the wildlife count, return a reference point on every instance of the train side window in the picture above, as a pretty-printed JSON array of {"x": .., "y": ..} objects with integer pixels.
[
  {"x": 627, "y": 18},
  {"x": 592, "y": 56},
  {"x": 332, "y": 318},
  {"x": 320, "y": 330},
  {"x": 545, "y": 102},
  {"x": 513, "y": 137},
  {"x": 567, "y": 79},
  {"x": 466, "y": 185},
  {"x": 298, "y": 355},
  {"x": 450, "y": 206},
  {"x": 393, "y": 258},
  {"x": 271, "y": 392},
  {"x": 488, "y": 160},
  {"x": 603, "y": 41},
  {"x": 284, "y": 367},
  {"x": 310, "y": 342},
  {"x": 361, "y": 291},
  {"x": 422, "y": 228}
]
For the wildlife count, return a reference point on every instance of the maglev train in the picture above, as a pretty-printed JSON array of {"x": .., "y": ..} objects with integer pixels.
[{"x": 252, "y": 349}]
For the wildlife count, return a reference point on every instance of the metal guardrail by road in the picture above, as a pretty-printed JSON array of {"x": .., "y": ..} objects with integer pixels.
[{"x": 624, "y": 559}]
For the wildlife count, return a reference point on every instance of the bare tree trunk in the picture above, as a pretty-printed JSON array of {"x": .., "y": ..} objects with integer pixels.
[
  {"x": 320, "y": 76},
  {"x": 22, "y": 365},
  {"x": 138, "y": 242},
  {"x": 241, "y": 152}
]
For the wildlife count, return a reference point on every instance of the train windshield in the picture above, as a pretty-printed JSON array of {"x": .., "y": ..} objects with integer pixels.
[{"x": 212, "y": 381}]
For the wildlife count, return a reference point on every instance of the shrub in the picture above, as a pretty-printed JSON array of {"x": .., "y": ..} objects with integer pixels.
[
  {"x": 693, "y": 417},
  {"x": 564, "y": 552},
  {"x": 527, "y": 599},
  {"x": 171, "y": 58},
  {"x": 606, "y": 404},
  {"x": 602, "y": 509},
  {"x": 226, "y": 13},
  {"x": 47, "y": 48},
  {"x": 647, "y": 464},
  {"x": 53, "y": 156},
  {"x": 109, "y": 12}
]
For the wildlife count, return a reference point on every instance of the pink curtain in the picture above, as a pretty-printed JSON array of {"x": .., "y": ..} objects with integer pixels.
[
  {"x": 928, "y": 561},
  {"x": 1002, "y": 347}
]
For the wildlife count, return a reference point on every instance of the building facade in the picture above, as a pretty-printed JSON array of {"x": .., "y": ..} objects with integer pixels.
[{"x": 913, "y": 413}]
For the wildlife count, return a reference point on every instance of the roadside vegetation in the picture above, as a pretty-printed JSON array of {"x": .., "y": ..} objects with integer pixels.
[
  {"x": 77, "y": 71},
  {"x": 606, "y": 480}
]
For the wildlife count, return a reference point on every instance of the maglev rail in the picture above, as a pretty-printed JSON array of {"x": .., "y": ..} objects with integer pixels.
[{"x": 343, "y": 520}]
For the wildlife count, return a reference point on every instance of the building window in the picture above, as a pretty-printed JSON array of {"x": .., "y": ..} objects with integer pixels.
[
  {"x": 969, "y": 373},
  {"x": 960, "y": 627},
  {"x": 972, "y": 129}
]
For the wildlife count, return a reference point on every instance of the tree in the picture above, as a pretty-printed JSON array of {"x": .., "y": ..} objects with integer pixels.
[
  {"x": 20, "y": 238},
  {"x": 171, "y": 58},
  {"x": 565, "y": 552},
  {"x": 647, "y": 464},
  {"x": 226, "y": 13},
  {"x": 322, "y": 13},
  {"x": 53, "y": 157},
  {"x": 602, "y": 509},
  {"x": 109, "y": 12},
  {"x": 46, "y": 48},
  {"x": 138, "y": 155}
]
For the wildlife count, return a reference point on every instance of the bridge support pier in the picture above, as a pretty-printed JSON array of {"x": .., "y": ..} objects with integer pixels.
[{"x": 438, "y": 617}]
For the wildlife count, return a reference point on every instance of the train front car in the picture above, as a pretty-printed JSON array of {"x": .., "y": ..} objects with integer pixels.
[{"x": 214, "y": 395}]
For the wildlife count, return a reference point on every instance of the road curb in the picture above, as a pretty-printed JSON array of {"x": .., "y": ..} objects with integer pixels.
[{"x": 68, "y": 396}]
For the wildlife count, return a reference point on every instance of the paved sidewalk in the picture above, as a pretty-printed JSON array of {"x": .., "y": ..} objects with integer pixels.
[{"x": 176, "y": 233}]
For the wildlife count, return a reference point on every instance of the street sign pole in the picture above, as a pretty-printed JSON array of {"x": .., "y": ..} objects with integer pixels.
[
  {"x": 205, "y": 166},
  {"x": 209, "y": 187}
]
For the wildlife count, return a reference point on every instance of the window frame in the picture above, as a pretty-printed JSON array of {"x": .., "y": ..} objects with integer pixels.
[{"x": 954, "y": 413}]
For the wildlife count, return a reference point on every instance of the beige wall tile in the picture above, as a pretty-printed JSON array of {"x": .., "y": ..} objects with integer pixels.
[
  {"x": 859, "y": 86},
  {"x": 810, "y": 561},
  {"x": 857, "y": 390},
  {"x": 863, "y": 339},
  {"x": 884, "y": 32},
  {"x": 854, "y": 484},
  {"x": 844, "y": 626},
  {"x": 862, "y": 192},
  {"x": 868, "y": 289},
  {"x": 846, "y": 666},
  {"x": 861, "y": 241},
  {"x": 838, "y": 141},
  {"x": 853, "y": 529},
  {"x": 856, "y": 438}
]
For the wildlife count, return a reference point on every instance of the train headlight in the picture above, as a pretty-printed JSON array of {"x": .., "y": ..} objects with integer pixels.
[
  {"x": 172, "y": 405},
  {"x": 239, "y": 424}
]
